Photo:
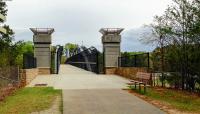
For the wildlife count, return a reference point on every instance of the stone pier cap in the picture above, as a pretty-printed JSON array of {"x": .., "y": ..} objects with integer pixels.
[
  {"x": 106, "y": 31},
  {"x": 37, "y": 31}
]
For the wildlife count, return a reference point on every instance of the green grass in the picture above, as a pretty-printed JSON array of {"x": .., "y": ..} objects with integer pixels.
[
  {"x": 29, "y": 100},
  {"x": 61, "y": 105},
  {"x": 183, "y": 101}
]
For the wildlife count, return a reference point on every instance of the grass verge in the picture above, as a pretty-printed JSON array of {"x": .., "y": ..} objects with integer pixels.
[
  {"x": 174, "y": 99},
  {"x": 27, "y": 100},
  {"x": 61, "y": 104}
]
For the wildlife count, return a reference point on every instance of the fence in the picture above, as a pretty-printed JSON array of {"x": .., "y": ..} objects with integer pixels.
[
  {"x": 29, "y": 61},
  {"x": 166, "y": 79},
  {"x": 9, "y": 80},
  {"x": 138, "y": 60},
  {"x": 172, "y": 80}
]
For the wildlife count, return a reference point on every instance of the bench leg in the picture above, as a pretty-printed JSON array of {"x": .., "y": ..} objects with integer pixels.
[
  {"x": 139, "y": 87},
  {"x": 135, "y": 86},
  {"x": 145, "y": 88}
]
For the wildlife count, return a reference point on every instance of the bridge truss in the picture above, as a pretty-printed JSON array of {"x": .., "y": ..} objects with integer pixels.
[{"x": 89, "y": 59}]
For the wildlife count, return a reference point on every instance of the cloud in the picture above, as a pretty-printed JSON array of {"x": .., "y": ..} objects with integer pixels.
[
  {"x": 22, "y": 34},
  {"x": 131, "y": 40},
  {"x": 79, "y": 21}
]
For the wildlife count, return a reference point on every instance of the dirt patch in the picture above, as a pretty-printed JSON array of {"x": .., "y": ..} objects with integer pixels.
[{"x": 163, "y": 106}]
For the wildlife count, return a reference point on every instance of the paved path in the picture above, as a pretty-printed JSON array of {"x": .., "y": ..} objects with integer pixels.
[
  {"x": 88, "y": 93},
  {"x": 71, "y": 77}
]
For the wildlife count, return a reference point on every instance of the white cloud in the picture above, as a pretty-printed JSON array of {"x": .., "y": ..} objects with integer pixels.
[
  {"x": 131, "y": 40},
  {"x": 80, "y": 20}
]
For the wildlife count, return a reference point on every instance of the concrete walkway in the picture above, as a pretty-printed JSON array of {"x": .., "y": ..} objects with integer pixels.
[
  {"x": 71, "y": 77},
  {"x": 88, "y": 93}
]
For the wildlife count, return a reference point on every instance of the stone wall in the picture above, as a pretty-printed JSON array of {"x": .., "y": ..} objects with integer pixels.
[
  {"x": 129, "y": 72},
  {"x": 27, "y": 75}
]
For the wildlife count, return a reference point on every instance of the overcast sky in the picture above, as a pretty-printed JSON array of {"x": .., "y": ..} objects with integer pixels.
[{"x": 80, "y": 20}]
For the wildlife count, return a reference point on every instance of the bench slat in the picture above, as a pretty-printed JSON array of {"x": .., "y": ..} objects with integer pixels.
[{"x": 142, "y": 75}]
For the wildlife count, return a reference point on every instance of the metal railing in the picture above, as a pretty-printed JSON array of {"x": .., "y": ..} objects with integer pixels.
[
  {"x": 29, "y": 61},
  {"x": 88, "y": 59},
  {"x": 9, "y": 75},
  {"x": 137, "y": 60}
]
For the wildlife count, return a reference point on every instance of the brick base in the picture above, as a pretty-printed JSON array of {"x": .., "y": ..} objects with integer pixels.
[
  {"x": 129, "y": 72},
  {"x": 44, "y": 71},
  {"x": 110, "y": 70},
  {"x": 27, "y": 75}
]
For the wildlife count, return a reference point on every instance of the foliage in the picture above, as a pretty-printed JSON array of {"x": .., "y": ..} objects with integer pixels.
[
  {"x": 71, "y": 48},
  {"x": 29, "y": 100},
  {"x": 52, "y": 62},
  {"x": 5, "y": 39},
  {"x": 63, "y": 59},
  {"x": 11, "y": 53},
  {"x": 27, "y": 47},
  {"x": 131, "y": 53},
  {"x": 177, "y": 36},
  {"x": 22, "y": 48},
  {"x": 3, "y": 6},
  {"x": 53, "y": 49}
]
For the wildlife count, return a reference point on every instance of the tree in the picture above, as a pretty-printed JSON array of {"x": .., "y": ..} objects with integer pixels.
[
  {"x": 3, "y": 9},
  {"x": 19, "y": 49},
  {"x": 159, "y": 35},
  {"x": 11, "y": 53},
  {"x": 71, "y": 48},
  {"x": 177, "y": 35},
  {"x": 184, "y": 17},
  {"x": 5, "y": 39}
]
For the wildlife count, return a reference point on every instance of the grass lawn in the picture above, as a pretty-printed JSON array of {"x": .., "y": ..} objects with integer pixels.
[
  {"x": 182, "y": 101},
  {"x": 27, "y": 100}
]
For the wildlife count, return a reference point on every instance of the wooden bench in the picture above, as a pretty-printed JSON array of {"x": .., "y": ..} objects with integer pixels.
[{"x": 142, "y": 79}]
